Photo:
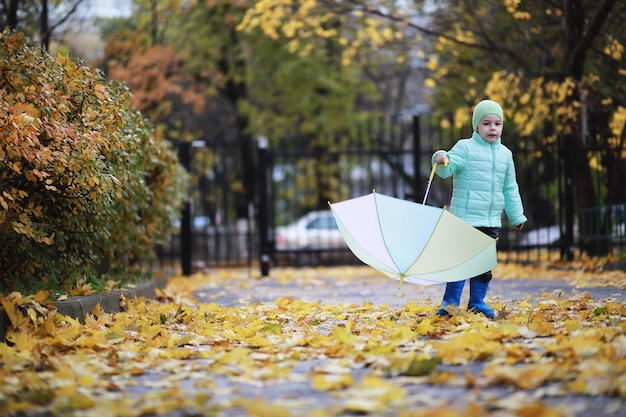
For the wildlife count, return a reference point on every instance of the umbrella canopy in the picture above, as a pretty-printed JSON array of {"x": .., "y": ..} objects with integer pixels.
[{"x": 413, "y": 242}]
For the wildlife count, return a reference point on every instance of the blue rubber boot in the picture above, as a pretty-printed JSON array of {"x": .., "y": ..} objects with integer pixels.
[
  {"x": 478, "y": 290},
  {"x": 451, "y": 296}
]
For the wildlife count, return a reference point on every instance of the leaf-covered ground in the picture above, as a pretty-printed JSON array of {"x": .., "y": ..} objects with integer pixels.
[{"x": 324, "y": 342}]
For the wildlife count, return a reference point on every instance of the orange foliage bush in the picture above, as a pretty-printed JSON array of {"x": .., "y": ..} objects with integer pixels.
[{"x": 86, "y": 186}]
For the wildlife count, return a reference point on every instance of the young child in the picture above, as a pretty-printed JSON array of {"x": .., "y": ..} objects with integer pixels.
[{"x": 484, "y": 184}]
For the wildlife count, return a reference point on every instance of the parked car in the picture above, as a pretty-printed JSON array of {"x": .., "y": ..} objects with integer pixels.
[
  {"x": 544, "y": 236},
  {"x": 315, "y": 230},
  {"x": 198, "y": 224}
]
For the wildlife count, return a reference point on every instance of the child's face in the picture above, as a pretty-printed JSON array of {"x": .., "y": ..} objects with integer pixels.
[{"x": 490, "y": 127}]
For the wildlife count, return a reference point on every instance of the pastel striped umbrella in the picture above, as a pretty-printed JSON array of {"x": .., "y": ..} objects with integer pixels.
[{"x": 413, "y": 242}]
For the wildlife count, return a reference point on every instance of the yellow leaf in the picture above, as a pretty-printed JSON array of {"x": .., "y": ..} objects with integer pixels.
[
  {"x": 23, "y": 342},
  {"x": 259, "y": 341},
  {"x": 331, "y": 382},
  {"x": 93, "y": 181},
  {"x": 262, "y": 408},
  {"x": 523, "y": 376},
  {"x": 424, "y": 327},
  {"x": 9, "y": 308},
  {"x": 151, "y": 332},
  {"x": 542, "y": 328},
  {"x": 402, "y": 333},
  {"x": 343, "y": 335},
  {"x": 86, "y": 380},
  {"x": 372, "y": 394},
  {"x": 92, "y": 340}
]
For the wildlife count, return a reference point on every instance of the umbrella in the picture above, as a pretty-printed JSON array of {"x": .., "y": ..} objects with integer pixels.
[{"x": 413, "y": 242}]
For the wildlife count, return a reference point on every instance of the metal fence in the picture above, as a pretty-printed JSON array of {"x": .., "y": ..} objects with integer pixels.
[
  {"x": 218, "y": 225},
  {"x": 604, "y": 228},
  {"x": 392, "y": 157}
]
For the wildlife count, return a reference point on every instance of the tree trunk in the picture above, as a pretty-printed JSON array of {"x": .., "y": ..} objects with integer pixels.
[
  {"x": 11, "y": 13},
  {"x": 44, "y": 25}
]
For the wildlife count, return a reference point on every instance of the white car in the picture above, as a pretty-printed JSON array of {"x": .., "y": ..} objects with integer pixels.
[
  {"x": 316, "y": 230},
  {"x": 550, "y": 235},
  {"x": 545, "y": 236}
]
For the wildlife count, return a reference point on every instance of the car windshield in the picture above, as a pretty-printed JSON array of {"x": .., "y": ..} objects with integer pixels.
[{"x": 322, "y": 223}]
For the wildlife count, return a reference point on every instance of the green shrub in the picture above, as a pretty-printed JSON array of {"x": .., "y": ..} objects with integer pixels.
[{"x": 86, "y": 185}]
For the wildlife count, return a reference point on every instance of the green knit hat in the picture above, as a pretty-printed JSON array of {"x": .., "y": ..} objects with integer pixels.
[{"x": 484, "y": 108}]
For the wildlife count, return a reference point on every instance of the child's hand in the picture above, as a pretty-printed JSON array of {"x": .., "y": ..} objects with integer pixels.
[
  {"x": 519, "y": 226},
  {"x": 441, "y": 158}
]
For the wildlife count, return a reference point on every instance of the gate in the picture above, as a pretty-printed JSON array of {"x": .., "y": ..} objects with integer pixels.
[{"x": 218, "y": 226}]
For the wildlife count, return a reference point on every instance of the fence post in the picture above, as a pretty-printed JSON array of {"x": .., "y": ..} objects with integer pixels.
[
  {"x": 263, "y": 208},
  {"x": 568, "y": 243},
  {"x": 417, "y": 160},
  {"x": 185, "y": 222}
]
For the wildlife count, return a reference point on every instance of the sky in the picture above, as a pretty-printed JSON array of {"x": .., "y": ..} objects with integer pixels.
[
  {"x": 88, "y": 44},
  {"x": 109, "y": 8}
]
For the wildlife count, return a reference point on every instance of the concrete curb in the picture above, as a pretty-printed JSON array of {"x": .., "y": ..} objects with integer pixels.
[{"x": 80, "y": 307}]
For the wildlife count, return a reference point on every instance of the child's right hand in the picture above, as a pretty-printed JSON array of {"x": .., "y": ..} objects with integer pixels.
[{"x": 442, "y": 158}]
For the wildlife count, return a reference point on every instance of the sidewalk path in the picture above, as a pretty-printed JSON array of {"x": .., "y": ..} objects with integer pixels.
[
  {"x": 323, "y": 287},
  {"x": 320, "y": 285}
]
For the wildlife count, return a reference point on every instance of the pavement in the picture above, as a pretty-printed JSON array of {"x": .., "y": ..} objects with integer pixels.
[
  {"x": 322, "y": 285},
  {"x": 384, "y": 291},
  {"x": 341, "y": 292}
]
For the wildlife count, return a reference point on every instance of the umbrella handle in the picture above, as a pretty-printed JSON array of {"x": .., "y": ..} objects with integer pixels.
[
  {"x": 432, "y": 172},
  {"x": 430, "y": 180}
]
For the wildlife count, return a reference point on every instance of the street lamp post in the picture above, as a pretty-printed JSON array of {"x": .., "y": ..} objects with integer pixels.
[{"x": 185, "y": 221}]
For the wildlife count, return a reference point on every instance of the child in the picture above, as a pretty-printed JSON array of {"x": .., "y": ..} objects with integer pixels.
[{"x": 484, "y": 184}]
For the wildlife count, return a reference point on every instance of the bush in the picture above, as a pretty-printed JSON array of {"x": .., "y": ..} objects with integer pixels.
[{"x": 86, "y": 185}]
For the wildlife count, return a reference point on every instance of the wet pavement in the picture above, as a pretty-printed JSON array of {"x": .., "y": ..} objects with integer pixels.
[{"x": 380, "y": 290}]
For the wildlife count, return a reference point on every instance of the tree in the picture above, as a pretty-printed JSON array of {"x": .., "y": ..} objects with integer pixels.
[
  {"x": 33, "y": 17},
  {"x": 263, "y": 85}
]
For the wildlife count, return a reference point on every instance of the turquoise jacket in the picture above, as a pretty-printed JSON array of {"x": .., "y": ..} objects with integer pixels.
[{"x": 484, "y": 182}]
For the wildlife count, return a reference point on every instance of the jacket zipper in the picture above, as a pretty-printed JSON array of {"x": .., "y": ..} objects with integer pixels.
[{"x": 493, "y": 182}]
